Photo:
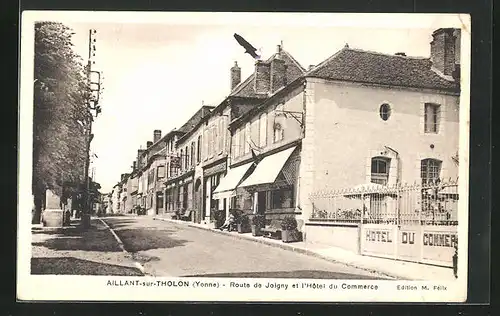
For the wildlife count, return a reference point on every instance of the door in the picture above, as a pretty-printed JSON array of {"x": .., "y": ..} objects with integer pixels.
[
  {"x": 208, "y": 197},
  {"x": 261, "y": 202}
]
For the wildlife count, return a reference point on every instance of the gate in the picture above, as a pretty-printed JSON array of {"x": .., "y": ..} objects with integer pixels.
[{"x": 406, "y": 222}]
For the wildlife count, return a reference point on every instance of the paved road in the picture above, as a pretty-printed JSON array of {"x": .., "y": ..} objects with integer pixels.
[{"x": 170, "y": 249}]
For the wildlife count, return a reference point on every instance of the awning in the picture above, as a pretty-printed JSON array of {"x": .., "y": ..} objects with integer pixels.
[
  {"x": 223, "y": 195},
  {"x": 268, "y": 169},
  {"x": 232, "y": 178}
]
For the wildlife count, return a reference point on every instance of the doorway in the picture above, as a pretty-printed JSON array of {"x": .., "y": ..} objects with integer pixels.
[{"x": 261, "y": 202}]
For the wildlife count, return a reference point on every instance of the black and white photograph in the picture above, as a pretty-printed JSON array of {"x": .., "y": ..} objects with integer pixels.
[{"x": 243, "y": 156}]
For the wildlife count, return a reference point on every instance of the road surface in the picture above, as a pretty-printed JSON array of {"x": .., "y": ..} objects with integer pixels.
[{"x": 171, "y": 249}]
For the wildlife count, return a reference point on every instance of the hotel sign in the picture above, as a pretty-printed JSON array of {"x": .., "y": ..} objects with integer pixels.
[{"x": 215, "y": 169}]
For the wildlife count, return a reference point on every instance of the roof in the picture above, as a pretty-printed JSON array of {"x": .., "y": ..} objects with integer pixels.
[
  {"x": 194, "y": 122},
  {"x": 195, "y": 119},
  {"x": 246, "y": 88},
  {"x": 371, "y": 67}
]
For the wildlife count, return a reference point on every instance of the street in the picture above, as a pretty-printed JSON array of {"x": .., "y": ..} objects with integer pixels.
[{"x": 171, "y": 249}]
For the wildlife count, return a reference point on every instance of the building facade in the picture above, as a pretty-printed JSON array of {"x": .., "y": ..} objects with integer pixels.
[
  {"x": 265, "y": 139},
  {"x": 184, "y": 175}
]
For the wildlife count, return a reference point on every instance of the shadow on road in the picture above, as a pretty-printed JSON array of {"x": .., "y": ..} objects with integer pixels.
[
  {"x": 116, "y": 223},
  {"x": 96, "y": 238},
  {"x": 74, "y": 266},
  {"x": 145, "y": 239},
  {"x": 141, "y": 238},
  {"x": 297, "y": 274}
]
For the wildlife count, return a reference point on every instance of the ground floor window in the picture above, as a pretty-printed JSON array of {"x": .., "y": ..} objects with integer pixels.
[
  {"x": 159, "y": 200},
  {"x": 282, "y": 198}
]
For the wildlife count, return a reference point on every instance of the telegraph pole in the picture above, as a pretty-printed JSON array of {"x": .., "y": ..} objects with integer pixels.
[{"x": 93, "y": 110}]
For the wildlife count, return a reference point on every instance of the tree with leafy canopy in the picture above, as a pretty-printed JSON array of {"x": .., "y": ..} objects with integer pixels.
[{"x": 61, "y": 116}]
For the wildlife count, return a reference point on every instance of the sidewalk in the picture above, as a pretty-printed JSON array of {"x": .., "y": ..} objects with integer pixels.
[
  {"x": 72, "y": 250},
  {"x": 387, "y": 267}
]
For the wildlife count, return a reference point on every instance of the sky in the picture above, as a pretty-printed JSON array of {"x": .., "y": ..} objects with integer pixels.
[{"x": 158, "y": 72}]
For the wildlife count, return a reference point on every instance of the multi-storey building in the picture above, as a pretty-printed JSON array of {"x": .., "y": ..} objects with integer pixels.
[
  {"x": 185, "y": 171},
  {"x": 256, "y": 133}
]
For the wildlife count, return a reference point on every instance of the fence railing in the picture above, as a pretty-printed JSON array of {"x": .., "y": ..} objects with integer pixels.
[{"x": 432, "y": 203}]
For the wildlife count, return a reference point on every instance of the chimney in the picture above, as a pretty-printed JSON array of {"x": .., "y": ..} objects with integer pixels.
[
  {"x": 278, "y": 72},
  {"x": 122, "y": 176},
  {"x": 134, "y": 166},
  {"x": 149, "y": 144},
  {"x": 139, "y": 154},
  {"x": 156, "y": 135},
  {"x": 445, "y": 50},
  {"x": 235, "y": 75},
  {"x": 262, "y": 77},
  {"x": 400, "y": 54},
  {"x": 311, "y": 67}
]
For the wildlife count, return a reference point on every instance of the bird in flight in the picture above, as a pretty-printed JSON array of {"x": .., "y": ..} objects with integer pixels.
[{"x": 247, "y": 46}]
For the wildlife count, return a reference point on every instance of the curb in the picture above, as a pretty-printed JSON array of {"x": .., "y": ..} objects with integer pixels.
[
  {"x": 285, "y": 247},
  {"x": 122, "y": 247}
]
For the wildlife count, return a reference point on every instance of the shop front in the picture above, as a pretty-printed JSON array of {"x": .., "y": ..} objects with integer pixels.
[
  {"x": 274, "y": 184},
  {"x": 225, "y": 193},
  {"x": 212, "y": 175}
]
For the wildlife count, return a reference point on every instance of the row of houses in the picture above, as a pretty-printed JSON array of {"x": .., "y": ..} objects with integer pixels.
[{"x": 286, "y": 133}]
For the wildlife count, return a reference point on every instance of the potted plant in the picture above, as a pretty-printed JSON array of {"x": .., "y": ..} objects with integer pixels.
[
  {"x": 289, "y": 231},
  {"x": 243, "y": 224},
  {"x": 258, "y": 222},
  {"x": 219, "y": 218}
]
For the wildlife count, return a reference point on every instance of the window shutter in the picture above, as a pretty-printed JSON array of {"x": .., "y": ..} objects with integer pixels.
[{"x": 263, "y": 130}]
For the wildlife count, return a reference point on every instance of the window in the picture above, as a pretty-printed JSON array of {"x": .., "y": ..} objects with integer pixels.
[
  {"x": 282, "y": 198},
  {"x": 278, "y": 134},
  {"x": 263, "y": 130},
  {"x": 243, "y": 142},
  {"x": 385, "y": 111},
  {"x": 221, "y": 135},
  {"x": 237, "y": 143},
  {"x": 430, "y": 170},
  {"x": 247, "y": 137},
  {"x": 198, "y": 147},
  {"x": 151, "y": 177},
  {"x": 160, "y": 171},
  {"x": 182, "y": 159},
  {"x": 193, "y": 155},
  {"x": 186, "y": 157},
  {"x": 214, "y": 139},
  {"x": 380, "y": 170},
  {"x": 431, "y": 118}
]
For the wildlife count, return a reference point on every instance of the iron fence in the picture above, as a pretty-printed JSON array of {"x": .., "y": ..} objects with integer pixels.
[{"x": 432, "y": 203}]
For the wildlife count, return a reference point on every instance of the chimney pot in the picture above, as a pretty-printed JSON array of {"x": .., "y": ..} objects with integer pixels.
[
  {"x": 156, "y": 135},
  {"x": 278, "y": 74},
  {"x": 235, "y": 75},
  {"x": 262, "y": 77}
]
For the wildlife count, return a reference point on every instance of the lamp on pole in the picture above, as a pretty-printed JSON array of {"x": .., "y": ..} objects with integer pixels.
[{"x": 93, "y": 109}]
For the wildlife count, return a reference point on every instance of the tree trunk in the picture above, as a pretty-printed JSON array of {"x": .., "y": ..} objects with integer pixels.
[{"x": 38, "y": 204}]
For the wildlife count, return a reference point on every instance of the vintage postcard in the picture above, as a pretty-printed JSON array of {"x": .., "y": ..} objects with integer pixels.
[{"x": 243, "y": 157}]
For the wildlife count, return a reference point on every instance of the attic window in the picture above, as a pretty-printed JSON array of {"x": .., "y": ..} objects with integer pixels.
[{"x": 385, "y": 111}]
